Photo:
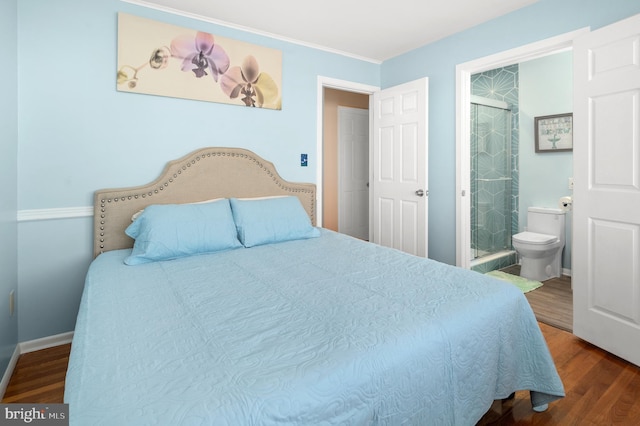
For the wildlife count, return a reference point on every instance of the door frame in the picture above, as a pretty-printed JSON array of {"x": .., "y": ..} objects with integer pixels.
[
  {"x": 346, "y": 86},
  {"x": 464, "y": 71}
]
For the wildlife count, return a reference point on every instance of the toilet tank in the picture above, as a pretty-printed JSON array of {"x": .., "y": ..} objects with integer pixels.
[{"x": 545, "y": 220}]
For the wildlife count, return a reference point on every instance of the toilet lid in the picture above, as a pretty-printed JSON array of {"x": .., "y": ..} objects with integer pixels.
[{"x": 534, "y": 238}]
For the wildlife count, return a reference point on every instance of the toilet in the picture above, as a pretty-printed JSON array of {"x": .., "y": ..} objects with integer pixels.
[{"x": 540, "y": 246}]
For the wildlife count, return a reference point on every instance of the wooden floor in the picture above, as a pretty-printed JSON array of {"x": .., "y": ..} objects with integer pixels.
[
  {"x": 553, "y": 302},
  {"x": 601, "y": 388},
  {"x": 39, "y": 377}
]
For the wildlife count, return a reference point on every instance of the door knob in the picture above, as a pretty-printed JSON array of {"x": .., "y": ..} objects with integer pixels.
[{"x": 420, "y": 193}]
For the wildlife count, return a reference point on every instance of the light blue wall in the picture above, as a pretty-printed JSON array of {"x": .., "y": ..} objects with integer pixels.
[
  {"x": 438, "y": 60},
  {"x": 78, "y": 134},
  {"x": 83, "y": 134},
  {"x": 8, "y": 178},
  {"x": 546, "y": 88}
]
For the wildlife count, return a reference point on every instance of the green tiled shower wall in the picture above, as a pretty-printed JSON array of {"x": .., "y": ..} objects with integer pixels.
[{"x": 494, "y": 168}]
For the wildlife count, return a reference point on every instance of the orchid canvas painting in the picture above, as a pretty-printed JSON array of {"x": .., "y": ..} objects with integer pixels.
[{"x": 156, "y": 58}]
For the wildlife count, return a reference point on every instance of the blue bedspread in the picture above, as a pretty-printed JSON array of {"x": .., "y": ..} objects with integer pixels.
[{"x": 324, "y": 331}]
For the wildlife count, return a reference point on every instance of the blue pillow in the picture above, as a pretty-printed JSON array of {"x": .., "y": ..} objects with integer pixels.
[
  {"x": 271, "y": 220},
  {"x": 170, "y": 231}
]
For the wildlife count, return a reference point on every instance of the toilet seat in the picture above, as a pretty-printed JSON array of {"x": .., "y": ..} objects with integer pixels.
[{"x": 534, "y": 238}]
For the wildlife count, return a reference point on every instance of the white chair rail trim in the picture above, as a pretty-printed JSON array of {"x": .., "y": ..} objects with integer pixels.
[{"x": 55, "y": 213}]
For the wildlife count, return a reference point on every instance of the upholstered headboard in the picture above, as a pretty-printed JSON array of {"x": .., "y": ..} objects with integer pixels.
[{"x": 201, "y": 175}]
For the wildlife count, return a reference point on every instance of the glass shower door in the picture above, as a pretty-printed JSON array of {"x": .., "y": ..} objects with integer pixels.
[{"x": 490, "y": 179}]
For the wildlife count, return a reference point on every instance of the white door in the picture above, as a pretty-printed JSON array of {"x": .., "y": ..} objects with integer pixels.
[
  {"x": 399, "y": 163},
  {"x": 353, "y": 172},
  {"x": 606, "y": 222}
]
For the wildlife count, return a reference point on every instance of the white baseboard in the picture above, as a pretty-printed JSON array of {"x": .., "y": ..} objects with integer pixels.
[
  {"x": 31, "y": 346},
  {"x": 9, "y": 371},
  {"x": 45, "y": 342}
]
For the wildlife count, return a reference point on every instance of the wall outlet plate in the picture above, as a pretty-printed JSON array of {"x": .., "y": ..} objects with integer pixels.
[{"x": 12, "y": 302}]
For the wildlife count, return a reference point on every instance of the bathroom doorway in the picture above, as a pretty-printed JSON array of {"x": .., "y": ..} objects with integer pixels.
[
  {"x": 464, "y": 72},
  {"x": 537, "y": 179},
  {"x": 507, "y": 174}
]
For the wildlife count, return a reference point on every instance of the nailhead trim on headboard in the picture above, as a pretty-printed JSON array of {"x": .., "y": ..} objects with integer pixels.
[{"x": 109, "y": 234}]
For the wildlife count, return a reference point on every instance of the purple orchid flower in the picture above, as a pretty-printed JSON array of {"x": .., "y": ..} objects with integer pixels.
[
  {"x": 200, "y": 54},
  {"x": 250, "y": 82}
]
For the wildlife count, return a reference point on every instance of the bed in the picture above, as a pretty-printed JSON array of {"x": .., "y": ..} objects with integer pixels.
[{"x": 288, "y": 324}]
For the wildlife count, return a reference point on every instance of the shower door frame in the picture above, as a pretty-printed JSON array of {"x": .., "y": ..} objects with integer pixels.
[{"x": 507, "y": 180}]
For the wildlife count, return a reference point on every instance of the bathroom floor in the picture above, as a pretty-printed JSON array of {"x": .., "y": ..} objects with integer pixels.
[{"x": 553, "y": 302}]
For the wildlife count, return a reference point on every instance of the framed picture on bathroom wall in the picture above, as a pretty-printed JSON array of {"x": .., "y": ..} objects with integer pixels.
[{"x": 554, "y": 133}]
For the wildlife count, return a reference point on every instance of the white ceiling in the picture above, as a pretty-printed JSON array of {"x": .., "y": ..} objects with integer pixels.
[{"x": 374, "y": 30}]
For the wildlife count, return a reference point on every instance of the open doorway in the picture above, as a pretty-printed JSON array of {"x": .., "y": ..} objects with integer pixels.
[
  {"x": 509, "y": 175},
  {"x": 543, "y": 77},
  {"x": 345, "y": 170},
  {"x": 464, "y": 73},
  {"x": 339, "y": 92}
]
